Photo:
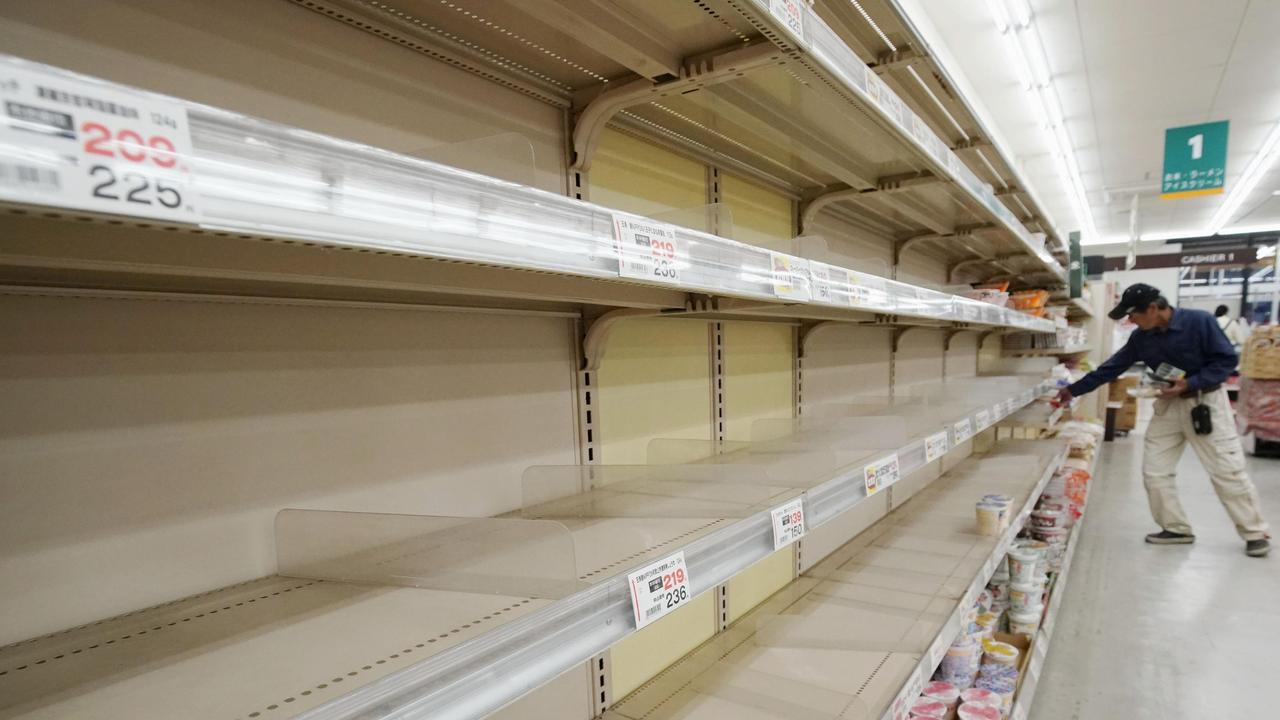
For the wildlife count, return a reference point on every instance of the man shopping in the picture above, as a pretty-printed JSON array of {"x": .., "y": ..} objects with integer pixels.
[{"x": 1188, "y": 348}]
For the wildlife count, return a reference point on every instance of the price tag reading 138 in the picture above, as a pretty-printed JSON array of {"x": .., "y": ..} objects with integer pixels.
[
  {"x": 78, "y": 144},
  {"x": 658, "y": 588},
  {"x": 647, "y": 250}
]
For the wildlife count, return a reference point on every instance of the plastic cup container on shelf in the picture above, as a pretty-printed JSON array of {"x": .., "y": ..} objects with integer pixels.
[
  {"x": 1026, "y": 622},
  {"x": 1052, "y": 502},
  {"x": 1046, "y": 518},
  {"x": 1022, "y": 565},
  {"x": 960, "y": 661},
  {"x": 1025, "y": 596},
  {"x": 1006, "y": 506},
  {"x": 999, "y": 591},
  {"x": 989, "y": 518},
  {"x": 987, "y": 624},
  {"x": 1039, "y": 547},
  {"x": 971, "y": 711},
  {"x": 995, "y": 652},
  {"x": 927, "y": 707},
  {"x": 979, "y": 696},
  {"x": 943, "y": 692}
]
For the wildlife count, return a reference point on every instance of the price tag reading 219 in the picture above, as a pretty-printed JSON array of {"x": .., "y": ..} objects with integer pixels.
[
  {"x": 93, "y": 147},
  {"x": 658, "y": 588}
]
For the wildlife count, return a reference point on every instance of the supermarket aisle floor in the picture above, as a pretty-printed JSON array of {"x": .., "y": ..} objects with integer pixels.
[{"x": 1150, "y": 632}]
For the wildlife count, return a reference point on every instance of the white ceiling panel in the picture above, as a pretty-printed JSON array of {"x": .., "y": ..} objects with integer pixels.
[{"x": 1124, "y": 71}]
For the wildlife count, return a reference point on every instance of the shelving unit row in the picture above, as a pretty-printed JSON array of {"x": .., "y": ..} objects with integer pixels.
[{"x": 844, "y": 638}]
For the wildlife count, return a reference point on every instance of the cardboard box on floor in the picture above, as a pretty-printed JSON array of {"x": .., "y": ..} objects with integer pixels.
[{"x": 1119, "y": 388}]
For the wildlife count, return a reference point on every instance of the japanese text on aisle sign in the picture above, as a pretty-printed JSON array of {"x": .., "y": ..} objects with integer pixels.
[
  {"x": 881, "y": 474},
  {"x": 647, "y": 250},
  {"x": 788, "y": 523},
  {"x": 790, "y": 13},
  {"x": 70, "y": 143},
  {"x": 935, "y": 446},
  {"x": 658, "y": 588},
  {"x": 963, "y": 429},
  {"x": 1195, "y": 160}
]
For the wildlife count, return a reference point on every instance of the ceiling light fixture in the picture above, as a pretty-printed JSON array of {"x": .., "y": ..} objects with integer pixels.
[
  {"x": 1030, "y": 63},
  {"x": 1249, "y": 179}
]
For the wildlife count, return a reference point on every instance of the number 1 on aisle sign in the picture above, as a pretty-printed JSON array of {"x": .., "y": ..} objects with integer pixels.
[{"x": 658, "y": 588}]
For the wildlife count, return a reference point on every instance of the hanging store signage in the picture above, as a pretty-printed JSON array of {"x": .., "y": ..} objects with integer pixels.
[
  {"x": 963, "y": 430},
  {"x": 790, "y": 13},
  {"x": 935, "y": 446},
  {"x": 881, "y": 474},
  {"x": 1195, "y": 160},
  {"x": 658, "y": 588},
  {"x": 647, "y": 250},
  {"x": 1234, "y": 255},
  {"x": 1075, "y": 267},
  {"x": 788, "y": 523},
  {"x": 75, "y": 144}
]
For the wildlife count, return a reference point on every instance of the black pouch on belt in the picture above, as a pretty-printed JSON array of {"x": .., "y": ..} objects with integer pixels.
[{"x": 1201, "y": 418}]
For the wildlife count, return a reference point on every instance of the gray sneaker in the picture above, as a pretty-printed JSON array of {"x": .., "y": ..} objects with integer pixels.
[
  {"x": 1257, "y": 548},
  {"x": 1164, "y": 537}
]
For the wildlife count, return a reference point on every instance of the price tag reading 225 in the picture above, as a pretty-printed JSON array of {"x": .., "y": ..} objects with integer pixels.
[
  {"x": 77, "y": 144},
  {"x": 658, "y": 588}
]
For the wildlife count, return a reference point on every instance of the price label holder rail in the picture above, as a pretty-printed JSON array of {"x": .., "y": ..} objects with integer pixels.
[{"x": 78, "y": 143}]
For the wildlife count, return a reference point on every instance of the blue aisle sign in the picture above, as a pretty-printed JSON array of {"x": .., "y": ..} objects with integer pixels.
[{"x": 1195, "y": 160}]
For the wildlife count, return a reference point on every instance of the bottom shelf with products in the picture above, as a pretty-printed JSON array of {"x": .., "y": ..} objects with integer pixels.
[{"x": 862, "y": 630}]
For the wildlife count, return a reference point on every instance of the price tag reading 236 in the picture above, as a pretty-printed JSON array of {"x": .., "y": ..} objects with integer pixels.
[
  {"x": 647, "y": 250},
  {"x": 658, "y": 588},
  {"x": 78, "y": 144}
]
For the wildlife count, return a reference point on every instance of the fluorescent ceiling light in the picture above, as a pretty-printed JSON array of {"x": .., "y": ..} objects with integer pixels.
[
  {"x": 1249, "y": 179},
  {"x": 1145, "y": 237},
  {"x": 1030, "y": 62}
]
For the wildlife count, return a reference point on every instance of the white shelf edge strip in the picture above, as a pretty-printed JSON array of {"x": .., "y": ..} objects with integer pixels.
[
  {"x": 232, "y": 173},
  {"x": 926, "y": 665},
  {"x": 476, "y": 678},
  {"x": 812, "y": 35}
]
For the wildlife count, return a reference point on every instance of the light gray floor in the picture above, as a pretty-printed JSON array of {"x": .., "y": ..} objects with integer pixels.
[{"x": 1160, "y": 632}]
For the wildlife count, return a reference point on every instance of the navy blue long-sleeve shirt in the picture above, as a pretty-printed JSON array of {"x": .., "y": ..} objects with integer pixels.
[{"x": 1192, "y": 341}]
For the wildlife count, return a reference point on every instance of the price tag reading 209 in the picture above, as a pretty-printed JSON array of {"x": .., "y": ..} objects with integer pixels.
[
  {"x": 79, "y": 144},
  {"x": 658, "y": 588},
  {"x": 647, "y": 250}
]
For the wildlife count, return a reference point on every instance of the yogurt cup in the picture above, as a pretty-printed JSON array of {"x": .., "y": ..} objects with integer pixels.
[
  {"x": 1026, "y": 622},
  {"x": 990, "y": 518},
  {"x": 1046, "y": 518},
  {"x": 999, "y": 653},
  {"x": 980, "y": 696},
  {"x": 1025, "y": 596},
  {"x": 1022, "y": 565},
  {"x": 943, "y": 692},
  {"x": 970, "y": 711},
  {"x": 927, "y": 707}
]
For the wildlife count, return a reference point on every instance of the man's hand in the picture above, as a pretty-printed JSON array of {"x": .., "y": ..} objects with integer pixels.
[
  {"x": 1063, "y": 398},
  {"x": 1178, "y": 387}
]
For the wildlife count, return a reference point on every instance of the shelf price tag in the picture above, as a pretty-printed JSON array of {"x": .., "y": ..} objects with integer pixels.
[
  {"x": 790, "y": 13},
  {"x": 648, "y": 250},
  {"x": 788, "y": 523},
  {"x": 935, "y": 446},
  {"x": 790, "y": 277},
  {"x": 983, "y": 418},
  {"x": 963, "y": 430},
  {"x": 70, "y": 143},
  {"x": 831, "y": 284},
  {"x": 881, "y": 474},
  {"x": 658, "y": 588},
  {"x": 997, "y": 411}
]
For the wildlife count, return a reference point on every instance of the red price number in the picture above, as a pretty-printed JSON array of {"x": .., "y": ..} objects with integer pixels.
[
  {"x": 675, "y": 591},
  {"x": 672, "y": 579},
  {"x": 128, "y": 144},
  {"x": 663, "y": 249}
]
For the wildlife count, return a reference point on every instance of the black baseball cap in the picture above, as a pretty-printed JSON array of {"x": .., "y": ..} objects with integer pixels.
[{"x": 1136, "y": 297}]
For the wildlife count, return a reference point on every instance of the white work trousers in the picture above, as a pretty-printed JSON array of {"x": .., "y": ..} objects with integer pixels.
[{"x": 1220, "y": 453}]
